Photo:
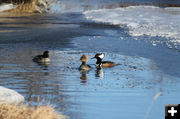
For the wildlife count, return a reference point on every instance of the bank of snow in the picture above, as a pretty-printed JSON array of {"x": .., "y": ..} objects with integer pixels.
[
  {"x": 142, "y": 20},
  {"x": 10, "y": 96},
  {"x": 4, "y": 7}
]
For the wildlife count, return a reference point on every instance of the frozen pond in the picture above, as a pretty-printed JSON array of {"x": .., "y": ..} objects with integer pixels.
[{"x": 146, "y": 79}]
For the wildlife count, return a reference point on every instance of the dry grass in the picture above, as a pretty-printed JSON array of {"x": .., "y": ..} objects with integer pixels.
[
  {"x": 24, "y": 7},
  {"x": 8, "y": 111},
  {"x": 28, "y": 7}
]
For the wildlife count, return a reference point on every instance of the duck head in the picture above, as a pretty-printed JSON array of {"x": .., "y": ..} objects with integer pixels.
[
  {"x": 99, "y": 56},
  {"x": 84, "y": 58},
  {"x": 46, "y": 54}
]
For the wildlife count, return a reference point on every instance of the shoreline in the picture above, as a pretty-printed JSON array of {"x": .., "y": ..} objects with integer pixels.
[
  {"x": 43, "y": 6},
  {"x": 127, "y": 4}
]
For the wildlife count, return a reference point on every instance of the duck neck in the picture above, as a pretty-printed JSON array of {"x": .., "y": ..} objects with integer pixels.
[
  {"x": 83, "y": 63},
  {"x": 99, "y": 61},
  {"x": 46, "y": 55}
]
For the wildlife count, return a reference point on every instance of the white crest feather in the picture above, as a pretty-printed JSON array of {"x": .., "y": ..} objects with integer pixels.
[{"x": 101, "y": 56}]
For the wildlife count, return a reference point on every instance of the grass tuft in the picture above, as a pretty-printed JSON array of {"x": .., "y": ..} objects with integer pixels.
[
  {"x": 8, "y": 111},
  {"x": 26, "y": 7}
]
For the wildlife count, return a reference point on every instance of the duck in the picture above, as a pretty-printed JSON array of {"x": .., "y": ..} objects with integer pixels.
[
  {"x": 102, "y": 64},
  {"x": 84, "y": 66},
  {"x": 44, "y": 58}
]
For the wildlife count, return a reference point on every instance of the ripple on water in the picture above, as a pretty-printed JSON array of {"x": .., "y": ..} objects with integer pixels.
[{"x": 60, "y": 79}]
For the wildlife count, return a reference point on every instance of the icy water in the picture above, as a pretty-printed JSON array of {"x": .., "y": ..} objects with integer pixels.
[{"x": 145, "y": 44}]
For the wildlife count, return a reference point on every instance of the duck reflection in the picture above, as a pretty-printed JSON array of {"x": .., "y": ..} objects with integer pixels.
[
  {"x": 43, "y": 65},
  {"x": 99, "y": 73},
  {"x": 83, "y": 77}
]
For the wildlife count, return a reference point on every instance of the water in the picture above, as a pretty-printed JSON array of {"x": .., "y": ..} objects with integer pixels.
[{"x": 146, "y": 44}]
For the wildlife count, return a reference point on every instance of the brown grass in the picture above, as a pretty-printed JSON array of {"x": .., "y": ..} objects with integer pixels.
[
  {"x": 28, "y": 7},
  {"x": 8, "y": 111}
]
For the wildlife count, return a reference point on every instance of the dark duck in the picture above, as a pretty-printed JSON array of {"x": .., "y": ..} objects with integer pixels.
[{"x": 44, "y": 58}]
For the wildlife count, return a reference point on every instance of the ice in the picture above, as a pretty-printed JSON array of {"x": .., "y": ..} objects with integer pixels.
[{"x": 142, "y": 20}]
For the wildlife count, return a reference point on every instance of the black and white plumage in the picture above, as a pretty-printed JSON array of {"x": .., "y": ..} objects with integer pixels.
[
  {"x": 102, "y": 64},
  {"x": 42, "y": 58}
]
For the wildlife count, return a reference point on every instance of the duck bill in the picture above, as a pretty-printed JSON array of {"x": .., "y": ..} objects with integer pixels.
[{"x": 93, "y": 58}]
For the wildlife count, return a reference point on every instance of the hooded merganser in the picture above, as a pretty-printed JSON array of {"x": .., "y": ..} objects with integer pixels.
[
  {"x": 42, "y": 58},
  {"x": 84, "y": 66},
  {"x": 100, "y": 63}
]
